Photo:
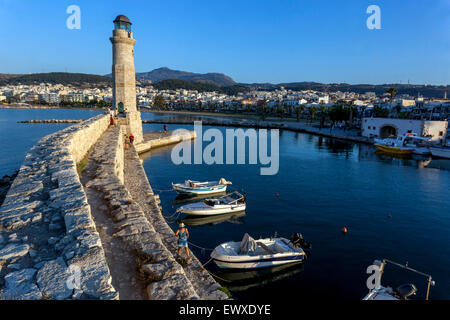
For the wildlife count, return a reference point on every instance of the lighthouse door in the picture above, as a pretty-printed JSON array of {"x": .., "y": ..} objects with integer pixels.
[{"x": 121, "y": 107}]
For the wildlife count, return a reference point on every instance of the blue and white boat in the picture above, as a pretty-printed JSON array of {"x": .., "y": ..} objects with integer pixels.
[
  {"x": 198, "y": 188},
  {"x": 253, "y": 254},
  {"x": 231, "y": 203}
]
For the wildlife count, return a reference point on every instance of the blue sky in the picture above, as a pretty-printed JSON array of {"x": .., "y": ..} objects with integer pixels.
[{"x": 249, "y": 40}]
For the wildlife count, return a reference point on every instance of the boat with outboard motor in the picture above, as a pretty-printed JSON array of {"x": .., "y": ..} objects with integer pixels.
[
  {"x": 197, "y": 188},
  {"x": 235, "y": 218},
  {"x": 253, "y": 254},
  {"x": 403, "y": 292},
  {"x": 234, "y": 202}
]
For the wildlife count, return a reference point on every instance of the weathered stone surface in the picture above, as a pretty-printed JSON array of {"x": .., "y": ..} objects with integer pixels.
[
  {"x": 25, "y": 188},
  {"x": 52, "y": 278},
  {"x": 78, "y": 220},
  {"x": 172, "y": 288},
  {"x": 163, "y": 270},
  {"x": 20, "y": 286},
  {"x": 95, "y": 276},
  {"x": 13, "y": 251}
]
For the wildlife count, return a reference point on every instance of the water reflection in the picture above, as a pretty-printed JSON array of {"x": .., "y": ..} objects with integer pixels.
[
  {"x": 241, "y": 280},
  {"x": 335, "y": 146}
]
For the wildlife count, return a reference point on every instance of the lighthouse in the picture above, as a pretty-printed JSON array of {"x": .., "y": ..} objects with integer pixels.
[{"x": 124, "y": 76}]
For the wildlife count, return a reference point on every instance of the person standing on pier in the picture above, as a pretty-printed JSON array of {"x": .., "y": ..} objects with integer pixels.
[{"x": 183, "y": 236}]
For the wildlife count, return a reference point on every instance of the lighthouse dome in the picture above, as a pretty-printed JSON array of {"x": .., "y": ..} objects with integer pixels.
[{"x": 122, "y": 22}]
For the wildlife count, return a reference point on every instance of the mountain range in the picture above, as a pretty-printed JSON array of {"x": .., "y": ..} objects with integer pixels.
[{"x": 218, "y": 79}]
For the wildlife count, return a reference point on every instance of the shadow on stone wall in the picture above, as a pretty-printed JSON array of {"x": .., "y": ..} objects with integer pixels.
[{"x": 5, "y": 184}]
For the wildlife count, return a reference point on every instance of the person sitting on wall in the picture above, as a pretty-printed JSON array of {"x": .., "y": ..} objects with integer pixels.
[{"x": 131, "y": 140}]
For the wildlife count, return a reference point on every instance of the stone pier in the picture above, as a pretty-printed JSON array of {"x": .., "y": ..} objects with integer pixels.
[{"x": 99, "y": 237}]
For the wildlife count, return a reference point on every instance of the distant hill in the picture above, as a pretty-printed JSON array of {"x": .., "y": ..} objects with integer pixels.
[
  {"x": 161, "y": 74},
  {"x": 76, "y": 79},
  {"x": 173, "y": 84}
]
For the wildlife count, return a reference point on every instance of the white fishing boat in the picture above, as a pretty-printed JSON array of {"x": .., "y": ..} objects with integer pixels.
[
  {"x": 234, "y": 202},
  {"x": 403, "y": 292},
  {"x": 440, "y": 152},
  {"x": 253, "y": 254},
  {"x": 197, "y": 188}
]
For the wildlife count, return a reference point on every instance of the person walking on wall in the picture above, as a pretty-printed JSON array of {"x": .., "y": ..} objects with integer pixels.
[{"x": 183, "y": 236}]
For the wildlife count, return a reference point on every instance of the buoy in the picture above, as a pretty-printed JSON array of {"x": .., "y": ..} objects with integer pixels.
[
  {"x": 344, "y": 230},
  {"x": 389, "y": 216},
  {"x": 278, "y": 195}
]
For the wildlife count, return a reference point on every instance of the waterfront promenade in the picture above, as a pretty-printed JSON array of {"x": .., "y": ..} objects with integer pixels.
[{"x": 282, "y": 125}]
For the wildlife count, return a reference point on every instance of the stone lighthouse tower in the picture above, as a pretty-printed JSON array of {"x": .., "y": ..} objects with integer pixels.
[{"x": 124, "y": 76}]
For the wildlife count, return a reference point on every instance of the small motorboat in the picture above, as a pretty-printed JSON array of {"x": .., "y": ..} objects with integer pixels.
[
  {"x": 403, "y": 292},
  {"x": 197, "y": 188},
  {"x": 394, "y": 146},
  {"x": 253, "y": 254},
  {"x": 234, "y": 202},
  {"x": 214, "y": 220}
]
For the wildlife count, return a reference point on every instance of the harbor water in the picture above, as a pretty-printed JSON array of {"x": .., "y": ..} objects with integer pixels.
[{"x": 393, "y": 208}]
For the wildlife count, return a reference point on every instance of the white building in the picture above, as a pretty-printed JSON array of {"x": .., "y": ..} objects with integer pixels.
[{"x": 387, "y": 127}]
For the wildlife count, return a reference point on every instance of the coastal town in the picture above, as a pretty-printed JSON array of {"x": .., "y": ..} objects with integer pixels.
[{"x": 284, "y": 102}]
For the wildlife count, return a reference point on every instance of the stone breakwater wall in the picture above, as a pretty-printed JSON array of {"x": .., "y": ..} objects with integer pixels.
[
  {"x": 165, "y": 276},
  {"x": 49, "y": 245}
]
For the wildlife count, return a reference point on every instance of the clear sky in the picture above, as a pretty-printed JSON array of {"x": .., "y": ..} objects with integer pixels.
[{"x": 250, "y": 40}]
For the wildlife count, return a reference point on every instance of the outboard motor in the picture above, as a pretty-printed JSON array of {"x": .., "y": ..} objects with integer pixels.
[
  {"x": 405, "y": 291},
  {"x": 298, "y": 241}
]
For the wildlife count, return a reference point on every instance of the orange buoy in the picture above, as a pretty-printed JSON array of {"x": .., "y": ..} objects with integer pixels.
[{"x": 344, "y": 230}]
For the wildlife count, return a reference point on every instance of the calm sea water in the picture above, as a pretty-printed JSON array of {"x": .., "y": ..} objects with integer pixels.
[
  {"x": 324, "y": 185},
  {"x": 17, "y": 138}
]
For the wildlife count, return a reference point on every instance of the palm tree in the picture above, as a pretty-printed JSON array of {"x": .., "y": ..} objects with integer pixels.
[
  {"x": 393, "y": 92},
  {"x": 298, "y": 112},
  {"x": 313, "y": 111}
]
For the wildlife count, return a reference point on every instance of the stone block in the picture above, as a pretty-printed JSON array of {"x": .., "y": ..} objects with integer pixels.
[{"x": 52, "y": 279}]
